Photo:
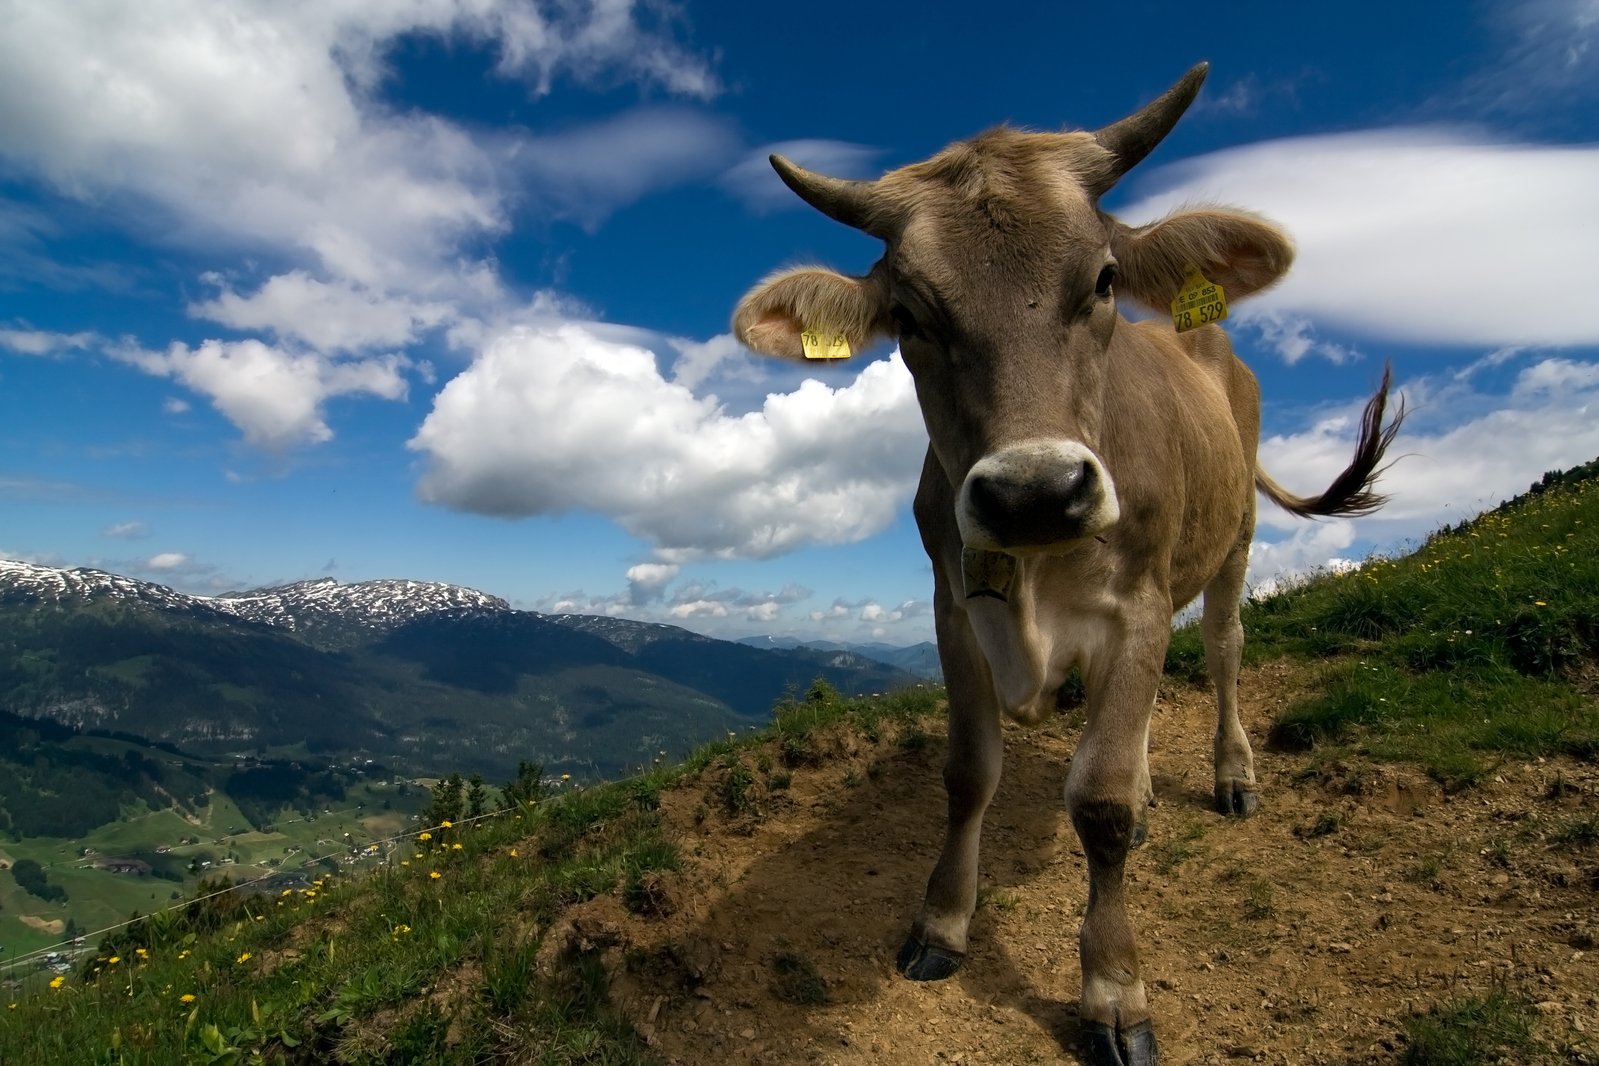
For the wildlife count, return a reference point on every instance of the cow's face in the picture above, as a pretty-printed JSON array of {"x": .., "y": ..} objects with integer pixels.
[{"x": 1000, "y": 279}]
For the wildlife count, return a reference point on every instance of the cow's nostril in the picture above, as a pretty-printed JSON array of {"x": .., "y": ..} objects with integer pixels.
[{"x": 1046, "y": 507}]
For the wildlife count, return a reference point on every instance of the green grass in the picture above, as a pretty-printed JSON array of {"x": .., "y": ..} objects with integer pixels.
[
  {"x": 1475, "y": 1031},
  {"x": 1465, "y": 652},
  {"x": 400, "y": 965}
]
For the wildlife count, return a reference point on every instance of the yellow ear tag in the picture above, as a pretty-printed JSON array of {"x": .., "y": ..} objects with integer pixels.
[
  {"x": 824, "y": 344},
  {"x": 1199, "y": 302}
]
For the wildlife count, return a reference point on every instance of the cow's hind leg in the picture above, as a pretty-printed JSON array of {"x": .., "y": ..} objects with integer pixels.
[
  {"x": 937, "y": 942},
  {"x": 1106, "y": 795},
  {"x": 1236, "y": 792}
]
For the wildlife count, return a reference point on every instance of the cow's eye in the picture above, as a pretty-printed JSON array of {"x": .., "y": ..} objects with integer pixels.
[
  {"x": 905, "y": 321},
  {"x": 1107, "y": 277}
]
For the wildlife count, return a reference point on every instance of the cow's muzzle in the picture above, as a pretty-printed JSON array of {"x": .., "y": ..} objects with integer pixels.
[{"x": 1035, "y": 495}]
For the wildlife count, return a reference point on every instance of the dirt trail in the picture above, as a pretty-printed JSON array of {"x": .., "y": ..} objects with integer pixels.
[{"x": 1357, "y": 895}]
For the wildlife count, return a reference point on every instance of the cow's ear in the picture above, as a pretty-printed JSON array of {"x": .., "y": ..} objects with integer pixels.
[
  {"x": 1241, "y": 252},
  {"x": 773, "y": 315}
]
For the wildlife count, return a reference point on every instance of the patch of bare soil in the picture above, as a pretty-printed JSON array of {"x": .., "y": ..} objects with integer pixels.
[{"x": 1358, "y": 895}]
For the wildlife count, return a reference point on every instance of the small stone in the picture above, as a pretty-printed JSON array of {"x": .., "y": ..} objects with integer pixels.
[
  {"x": 1338, "y": 947},
  {"x": 747, "y": 1034}
]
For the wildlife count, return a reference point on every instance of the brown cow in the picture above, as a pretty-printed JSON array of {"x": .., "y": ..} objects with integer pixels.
[{"x": 1087, "y": 477}]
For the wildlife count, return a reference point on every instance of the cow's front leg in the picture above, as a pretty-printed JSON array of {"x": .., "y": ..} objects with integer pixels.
[
  {"x": 1106, "y": 795},
  {"x": 937, "y": 942}
]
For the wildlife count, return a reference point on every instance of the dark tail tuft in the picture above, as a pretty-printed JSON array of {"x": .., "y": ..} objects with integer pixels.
[{"x": 1351, "y": 491}]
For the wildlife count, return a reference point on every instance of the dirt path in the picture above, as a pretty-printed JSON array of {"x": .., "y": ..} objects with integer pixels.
[{"x": 1358, "y": 895}]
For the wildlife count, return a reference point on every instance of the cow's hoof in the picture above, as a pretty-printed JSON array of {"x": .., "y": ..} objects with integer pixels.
[
  {"x": 1132, "y": 1046},
  {"x": 925, "y": 962},
  {"x": 1237, "y": 799}
]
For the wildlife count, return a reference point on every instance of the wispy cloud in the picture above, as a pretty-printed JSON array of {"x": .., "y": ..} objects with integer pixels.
[
  {"x": 43, "y": 343},
  {"x": 753, "y": 180}
]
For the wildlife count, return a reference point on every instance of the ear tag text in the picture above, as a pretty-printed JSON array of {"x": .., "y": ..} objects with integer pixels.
[
  {"x": 824, "y": 344},
  {"x": 986, "y": 573},
  {"x": 1199, "y": 302}
]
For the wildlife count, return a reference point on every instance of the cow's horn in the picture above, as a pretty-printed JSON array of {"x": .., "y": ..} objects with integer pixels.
[
  {"x": 1135, "y": 136},
  {"x": 853, "y": 203}
]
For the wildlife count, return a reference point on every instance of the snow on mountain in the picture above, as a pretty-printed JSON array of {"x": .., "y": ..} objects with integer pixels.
[
  {"x": 318, "y": 605},
  {"x": 375, "y": 605},
  {"x": 31, "y": 582}
]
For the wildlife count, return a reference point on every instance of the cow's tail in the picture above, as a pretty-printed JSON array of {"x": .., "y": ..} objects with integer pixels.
[{"x": 1351, "y": 492}]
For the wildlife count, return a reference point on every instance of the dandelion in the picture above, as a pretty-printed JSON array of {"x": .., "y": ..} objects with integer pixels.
[
  {"x": 183, "y": 954},
  {"x": 455, "y": 847},
  {"x": 1539, "y": 603},
  {"x": 141, "y": 952},
  {"x": 187, "y": 997},
  {"x": 447, "y": 824},
  {"x": 57, "y": 981},
  {"x": 566, "y": 777},
  {"x": 424, "y": 836},
  {"x": 407, "y": 862},
  {"x": 513, "y": 853},
  {"x": 434, "y": 874},
  {"x": 244, "y": 958},
  {"x": 113, "y": 960}
]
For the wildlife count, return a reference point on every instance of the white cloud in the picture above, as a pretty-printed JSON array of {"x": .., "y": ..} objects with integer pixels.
[
  {"x": 753, "y": 180},
  {"x": 585, "y": 173},
  {"x": 274, "y": 396},
  {"x": 548, "y": 420},
  {"x": 173, "y": 405},
  {"x": 42, "y": 342},
  {"x": 1426, "y": 235},
  {"x": 263, "y": 122},
  {"x": 1293, "y": 338},
  {"x": 166, "y": 561},
  {"x": 647, "y": 582},
  {"x": 330, "y": 316},
  {"x": 126, "y": 531}
]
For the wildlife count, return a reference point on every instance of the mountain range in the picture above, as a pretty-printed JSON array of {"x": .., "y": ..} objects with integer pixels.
[{"x": 431, "y": 676}]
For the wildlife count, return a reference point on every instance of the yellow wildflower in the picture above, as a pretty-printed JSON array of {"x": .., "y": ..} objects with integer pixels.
[
  {"x": 1539, "y": 603},
  {"x": 424, "y": 836},
  {"x": 434, "y": 874},
  {"x": 113, "y": 960},
  {"x": 513, "y": 853},
  {"x": 244, "y": 958},
  {"x": 183, "y": 954},
  {"x": 447, "y": 824},
  {"x": 141, "y": 952},
  {"x": 57, "y": 981},
  {"x": 187, "y": 997},
  {"x": 455, "y": 847}
]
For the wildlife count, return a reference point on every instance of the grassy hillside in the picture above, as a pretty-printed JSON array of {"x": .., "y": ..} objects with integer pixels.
[
  {"x": 1481, "y": 646},
  {"x": 1481, "y": 643}
]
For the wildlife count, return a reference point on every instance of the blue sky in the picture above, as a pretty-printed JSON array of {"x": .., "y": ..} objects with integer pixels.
[{"x": 440, "y": 290}]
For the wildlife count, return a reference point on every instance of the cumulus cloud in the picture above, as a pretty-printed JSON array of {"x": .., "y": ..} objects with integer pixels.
[
  {"x": 560, "y": 418},
  {"x": 336, "y": 316},
  {"x": 166, "y": 561},
  {"x": 274, "y": 396},
  {"x": 173, "y": 103},
  {"x": 1426, "y": 235},
  {"x": 647, "y": 582}
]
